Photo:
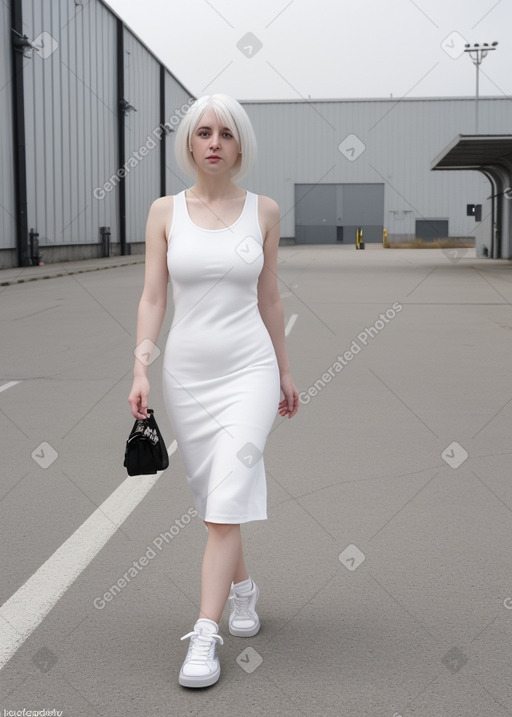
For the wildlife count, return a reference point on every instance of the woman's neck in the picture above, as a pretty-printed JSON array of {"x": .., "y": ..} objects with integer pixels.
[{"x": 211, "y": 188}]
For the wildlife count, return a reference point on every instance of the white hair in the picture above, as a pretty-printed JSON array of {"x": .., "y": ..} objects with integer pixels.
[{"x": 233, "y": 116}]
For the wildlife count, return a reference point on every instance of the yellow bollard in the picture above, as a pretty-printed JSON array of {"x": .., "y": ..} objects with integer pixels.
[{"x": 385, "y": 240}]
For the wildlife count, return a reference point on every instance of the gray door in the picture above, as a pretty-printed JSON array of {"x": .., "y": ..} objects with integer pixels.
[
  {"x": 315, "y": 213},
  {"x": 331, "y": 213},
  {"x": 431, "y": 228}
]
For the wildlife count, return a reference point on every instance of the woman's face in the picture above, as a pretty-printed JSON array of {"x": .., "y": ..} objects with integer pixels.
[{"x": 214, "y": 147}]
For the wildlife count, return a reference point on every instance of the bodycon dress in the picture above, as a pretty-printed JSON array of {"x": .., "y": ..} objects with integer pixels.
[{"x": 220, "y": 373}]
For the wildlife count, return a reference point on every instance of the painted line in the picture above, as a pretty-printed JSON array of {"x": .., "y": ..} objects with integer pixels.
[
  {"x": 29, "y": 605},
  {"x": 286, "y": 294},
  {"x": 8, "y": 385},
  {"x": 291, "y": 322}
]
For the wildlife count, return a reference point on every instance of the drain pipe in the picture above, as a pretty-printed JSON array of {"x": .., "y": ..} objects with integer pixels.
[{"x": 19, "y": 43}]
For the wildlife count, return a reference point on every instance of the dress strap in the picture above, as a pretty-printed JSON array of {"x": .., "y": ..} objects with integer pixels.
[{"x": 177, "y": 214}]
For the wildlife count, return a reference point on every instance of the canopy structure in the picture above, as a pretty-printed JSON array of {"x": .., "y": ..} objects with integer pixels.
[{"x": 491, "y": 155}]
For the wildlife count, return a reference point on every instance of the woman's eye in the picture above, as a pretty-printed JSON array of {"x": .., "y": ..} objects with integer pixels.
[{"x": 206, "y": 133}]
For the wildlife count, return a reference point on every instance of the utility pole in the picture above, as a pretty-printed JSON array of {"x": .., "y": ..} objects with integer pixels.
[{"x": 477, "y": 53}]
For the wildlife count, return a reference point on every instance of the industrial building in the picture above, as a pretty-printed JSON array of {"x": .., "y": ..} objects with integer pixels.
[
  {"x": 87, "y": 120},
  {"x": 86, "y": 116},
  {"x": 338, "y": 164}
]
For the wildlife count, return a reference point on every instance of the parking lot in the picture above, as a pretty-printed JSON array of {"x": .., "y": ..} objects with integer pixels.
[{"x": 385, "y": 565}]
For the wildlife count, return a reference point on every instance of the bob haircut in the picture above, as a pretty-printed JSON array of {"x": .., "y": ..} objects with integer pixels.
[{"x": 233, "y": 116}]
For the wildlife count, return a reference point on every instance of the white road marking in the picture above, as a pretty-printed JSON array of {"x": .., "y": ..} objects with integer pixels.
[
  {"x": 286, "y": 294},
  {"x": 8, "y": 385},
  {"x": 289, "y": 326},
  {"x": 29, "y": 605}
]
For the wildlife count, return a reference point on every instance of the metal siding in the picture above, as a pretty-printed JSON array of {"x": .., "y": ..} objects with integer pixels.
[
  {"x": 321, "y": 208},
  {"x": 70, "y": 122},
  {"x": 363, "y": 204},
  {"x": 71, "y": 115},
  {"x": 7, "y": 208},
  {"x": 142, "y": 90},
  {"x": 298, "y": 143},
  {"x": 175, "y": 99},
  {"x": 105, "y": 119},
  {"x": 316, "y": 204}
]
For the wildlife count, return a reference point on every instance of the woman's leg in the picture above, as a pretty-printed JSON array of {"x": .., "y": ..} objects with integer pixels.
[
  {"x": 223, "y": 563},
  {"x": 241, "y": 569}
]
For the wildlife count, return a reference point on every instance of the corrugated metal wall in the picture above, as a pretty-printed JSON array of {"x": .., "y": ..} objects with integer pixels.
[
  {"x": 390, "y": 141},
  {"x": 72, "y": 135},
  {"x": 70, "y": 120},
  {"x": 7, "y": 209},
  {"x": 72, "y": 130},
  {"x": 177, "y": 101},
  {"x": 142, "y": 148}
]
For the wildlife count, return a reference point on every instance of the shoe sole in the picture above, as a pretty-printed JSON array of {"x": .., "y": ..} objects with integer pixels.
[
  {"x": 188, "y": 681},
  {"x": 248, "y": 632}
]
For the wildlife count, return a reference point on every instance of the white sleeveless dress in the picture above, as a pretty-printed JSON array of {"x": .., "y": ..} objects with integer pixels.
[{"x": 220, "y": 373}]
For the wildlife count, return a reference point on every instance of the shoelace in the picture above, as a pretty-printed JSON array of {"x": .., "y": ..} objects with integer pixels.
[
  {"x": 200, "y": 645},
  {"x": 241, "y": 605}
]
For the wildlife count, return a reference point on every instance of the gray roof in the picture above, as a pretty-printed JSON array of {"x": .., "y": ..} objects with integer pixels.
[{"x": 476, "y": 152}]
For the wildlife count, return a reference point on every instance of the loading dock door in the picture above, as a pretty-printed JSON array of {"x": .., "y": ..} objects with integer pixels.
[
  {"x": 331, "y": 213},
  {"x": 432, "y": 229},
  {"x": 315, "y": 213}
]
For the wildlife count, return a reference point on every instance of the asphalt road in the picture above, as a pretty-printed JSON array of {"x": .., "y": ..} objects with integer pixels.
[{"x": 385, "y": 566}]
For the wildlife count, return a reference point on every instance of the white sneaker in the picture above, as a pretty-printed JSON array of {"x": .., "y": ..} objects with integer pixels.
[
  {"x": 243, "y": 620},
  {"x": 201, "y": 667}
]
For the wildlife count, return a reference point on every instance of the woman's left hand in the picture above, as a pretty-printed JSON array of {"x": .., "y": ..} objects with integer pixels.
[{"x": 290, "y": 403}]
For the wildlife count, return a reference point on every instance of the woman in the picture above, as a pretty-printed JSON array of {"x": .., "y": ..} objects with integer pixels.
[{"x": 225, "y": 360}]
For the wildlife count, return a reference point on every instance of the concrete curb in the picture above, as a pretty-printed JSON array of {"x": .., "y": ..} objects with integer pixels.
[{"x": 51, "y": 271}]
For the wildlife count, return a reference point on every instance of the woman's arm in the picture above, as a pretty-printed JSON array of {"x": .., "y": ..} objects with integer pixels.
[
  {"x": 269, "y": 303},
  {"x": 152, "y": 304}
]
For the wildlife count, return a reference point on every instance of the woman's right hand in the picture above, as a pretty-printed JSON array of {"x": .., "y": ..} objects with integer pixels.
[{"x": 138, "y": 398}]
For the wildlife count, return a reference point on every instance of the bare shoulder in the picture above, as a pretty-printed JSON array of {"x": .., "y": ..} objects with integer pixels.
[
  {"x": 162, "y": 204},
  {"x": 268, "y": 206},
  {"x": 268, "y": 211},
  {"x": 161, "y": 213}
]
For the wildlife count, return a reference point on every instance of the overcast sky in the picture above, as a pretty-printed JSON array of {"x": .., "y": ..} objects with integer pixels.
[{"x": 288, "y": 49}]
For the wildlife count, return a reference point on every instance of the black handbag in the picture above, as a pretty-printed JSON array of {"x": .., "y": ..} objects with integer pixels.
[{"x": 145, "y": 452}]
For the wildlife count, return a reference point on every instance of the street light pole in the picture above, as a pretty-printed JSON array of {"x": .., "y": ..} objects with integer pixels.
[{"x": 477, "y": 53}]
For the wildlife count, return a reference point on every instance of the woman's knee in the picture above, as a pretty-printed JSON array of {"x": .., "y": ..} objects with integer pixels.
[{"x": 222, "y": 529}]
